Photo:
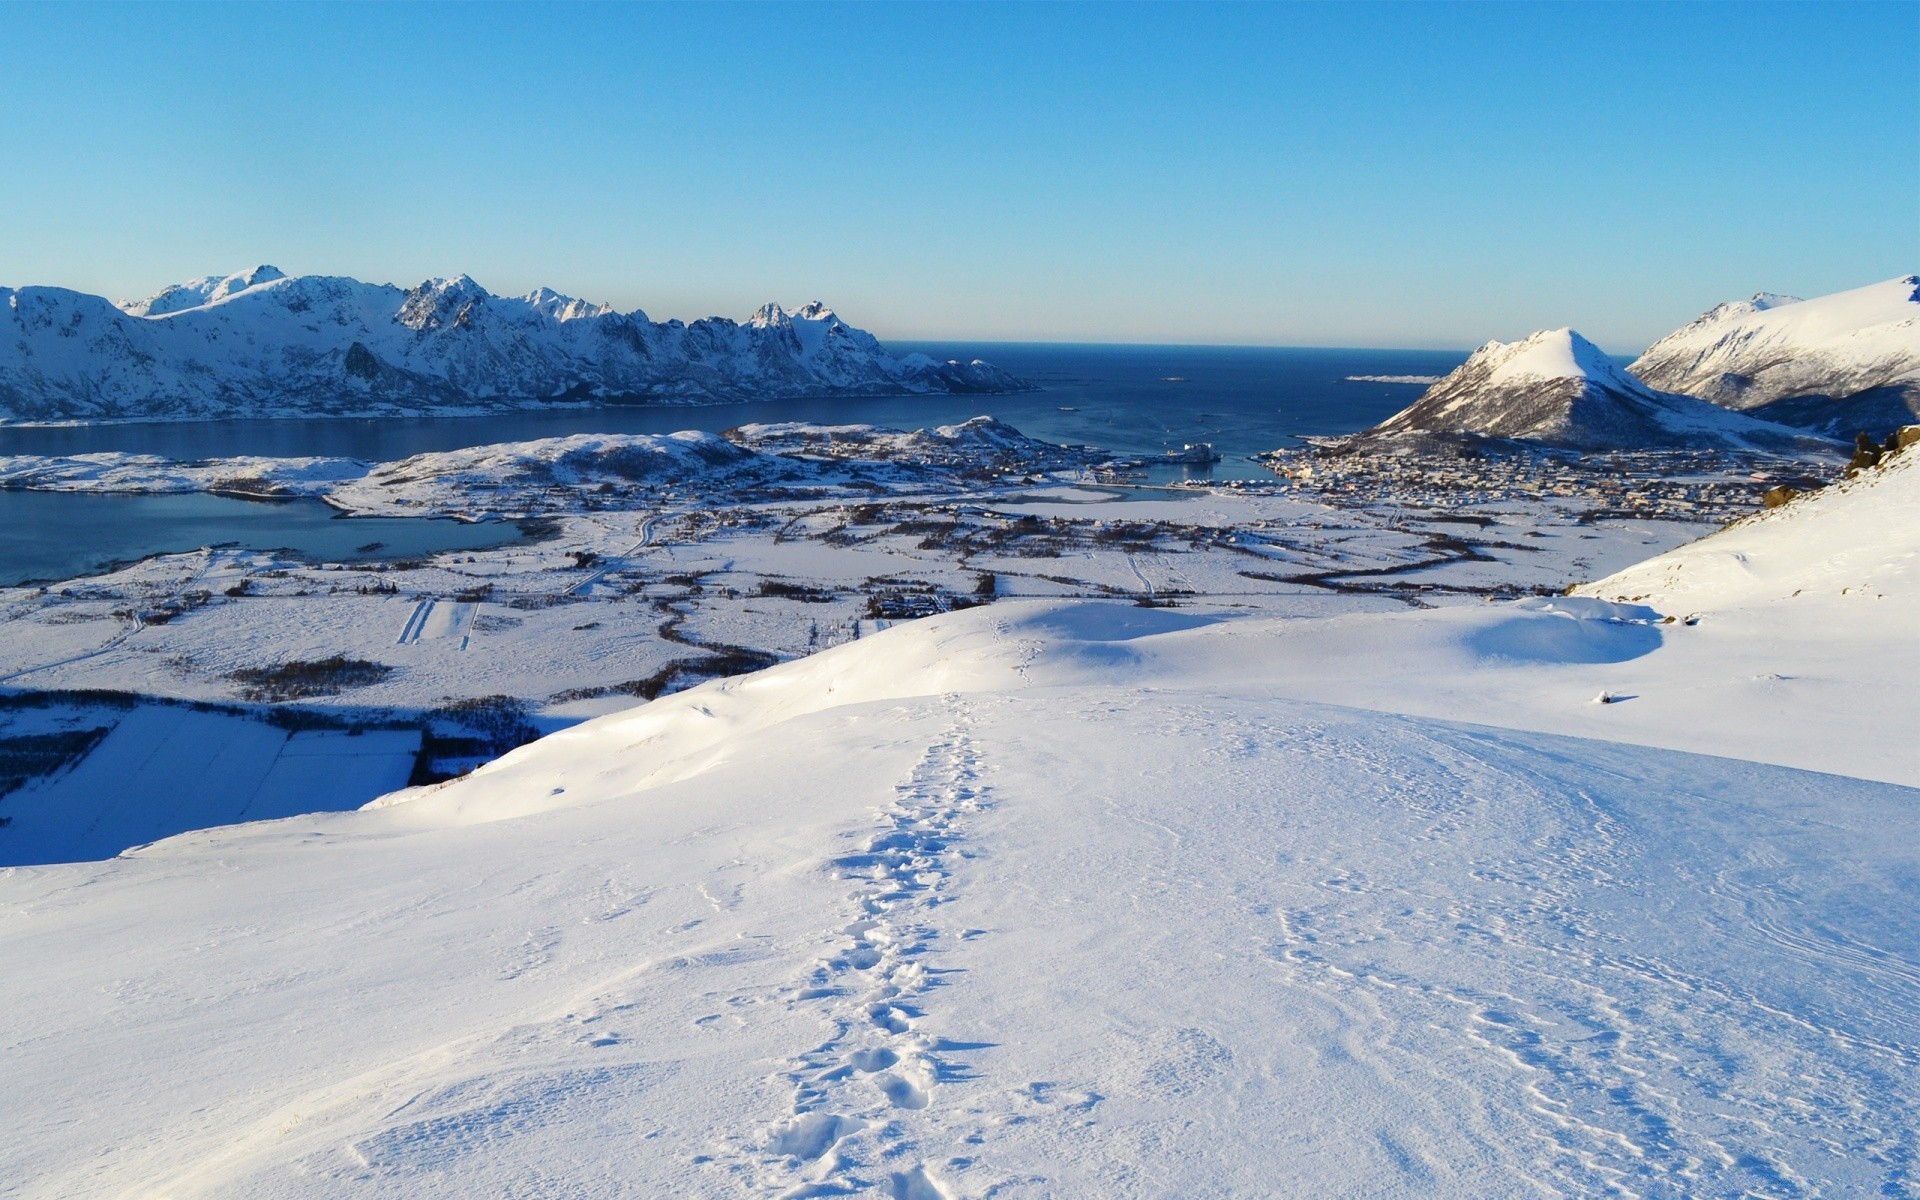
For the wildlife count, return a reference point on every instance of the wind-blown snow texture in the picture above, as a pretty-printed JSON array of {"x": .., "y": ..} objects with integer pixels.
[
  {"x": 1557, "y": 388},
  {"x": 264, "y": 344},
  {"x": 1836, "y": 364},
  {"x": 1069, "y": 900}
]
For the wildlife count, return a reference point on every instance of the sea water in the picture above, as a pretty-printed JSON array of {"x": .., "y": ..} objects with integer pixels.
[
  {"x": 62, "y": 535},
  {"x": 1133, "y": 401}
]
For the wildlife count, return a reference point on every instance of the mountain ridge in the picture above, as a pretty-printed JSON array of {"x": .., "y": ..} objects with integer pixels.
[
  {"x": 1834, "y": 364},
  {"x": 262, "y": 343}
]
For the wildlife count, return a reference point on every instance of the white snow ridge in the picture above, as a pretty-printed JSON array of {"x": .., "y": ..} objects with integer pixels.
[{"x": 1070, "y": 899}]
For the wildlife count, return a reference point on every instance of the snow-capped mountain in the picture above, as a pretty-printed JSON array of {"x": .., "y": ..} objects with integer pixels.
[
  {"x": 262, "y": 343},
  {"x": 1557, "y": 388},
  {"x": 1836, "y": 364}
]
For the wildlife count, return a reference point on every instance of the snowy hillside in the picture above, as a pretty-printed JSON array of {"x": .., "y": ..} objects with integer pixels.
[
  {"x": 1557, "y": 388},
  {"x": 1837, "y": 364},
  {"x": 261, "y": 343},
  {"x": 1071, "y": 899},
  {"x": 1856, "y": 536}
]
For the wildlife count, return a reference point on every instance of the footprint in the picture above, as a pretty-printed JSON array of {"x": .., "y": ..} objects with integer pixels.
[
  {"x": 916, "y": 1185},
  {"x": 889, "y": 1018},
  {"x": 900, "y": 1093},
  {"x": 810, "y": 1135},
  {"x": 878, "y": 1059}
]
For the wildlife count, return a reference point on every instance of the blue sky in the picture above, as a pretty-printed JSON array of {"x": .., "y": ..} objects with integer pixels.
[{"x": 1345, "y": 174}]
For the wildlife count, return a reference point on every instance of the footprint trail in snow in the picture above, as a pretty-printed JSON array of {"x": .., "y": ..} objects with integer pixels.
[{"x": 856, "y": 1121}]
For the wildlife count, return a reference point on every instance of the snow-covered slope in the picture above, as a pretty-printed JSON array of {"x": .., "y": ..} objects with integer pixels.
[
  {"x": 1836, "y": 364},
  {"x": 264, "y": 344},
  {"x": 1860, "y": 535},
  {"x": 1557, "y": 388},
  {"x": 1069, "y": 899}
]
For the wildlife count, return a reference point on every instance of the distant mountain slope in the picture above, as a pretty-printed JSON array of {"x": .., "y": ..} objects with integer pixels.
[
  {"x": 1836, "y": 364},
  {"x": 1557, "y": 388},
  {"x": 262, "y": 343}
]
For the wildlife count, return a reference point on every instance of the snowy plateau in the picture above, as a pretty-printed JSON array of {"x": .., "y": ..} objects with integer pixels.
[
  {"x": 1300, "y": 888},
  {"x": 264, "y": 344}
]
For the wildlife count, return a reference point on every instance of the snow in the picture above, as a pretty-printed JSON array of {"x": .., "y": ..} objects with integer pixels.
[
  {"x": 1549, "y": 354},
  {"x": 1776, "y": 347},
  {"x": 1557, "y": 388},
  {"x": 198, "y": 293},
  {"x": 1070, "y": 898},
  {"x": 262, "y": 343},
  {"x": 129, "y": 789}
]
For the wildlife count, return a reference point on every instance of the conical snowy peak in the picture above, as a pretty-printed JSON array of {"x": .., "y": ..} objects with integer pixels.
[
  {"x": 1557, "y": 388},
  {"x": 1835, "y": 364},
  {"x": 1548, "y": 354}
]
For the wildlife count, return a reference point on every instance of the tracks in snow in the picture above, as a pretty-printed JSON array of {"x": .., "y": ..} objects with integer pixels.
[
  {"x": 439, "y": 619},
  {"x": 855, "y": 1122}
]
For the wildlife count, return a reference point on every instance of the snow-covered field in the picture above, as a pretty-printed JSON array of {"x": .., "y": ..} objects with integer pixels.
[{"x": 1319, "y": 884}]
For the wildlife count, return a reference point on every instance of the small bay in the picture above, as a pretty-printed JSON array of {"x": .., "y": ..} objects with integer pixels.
[{"x": 61, "y": 535}]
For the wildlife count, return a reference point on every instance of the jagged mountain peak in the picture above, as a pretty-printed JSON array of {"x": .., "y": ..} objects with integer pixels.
[
  {"x": 442, "y": 303},
  {"x": 561, "y": 307},
  {"x": 769, "y": 316}
]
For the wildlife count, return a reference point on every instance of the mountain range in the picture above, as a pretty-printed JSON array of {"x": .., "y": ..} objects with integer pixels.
[
  {"x": 1772, "y": 373},
  {"x": 263, "y": 344},
  {"x": 1558, "y": 388}
]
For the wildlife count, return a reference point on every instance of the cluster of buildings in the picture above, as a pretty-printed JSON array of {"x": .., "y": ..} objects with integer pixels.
[{"x": 1660, "y": 484}]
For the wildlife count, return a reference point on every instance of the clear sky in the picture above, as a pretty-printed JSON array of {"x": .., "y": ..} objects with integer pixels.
[{"x": 1345, "y": 174}]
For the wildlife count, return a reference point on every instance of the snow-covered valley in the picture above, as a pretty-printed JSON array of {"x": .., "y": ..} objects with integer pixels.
[{"x": 1339, "y": 877}]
